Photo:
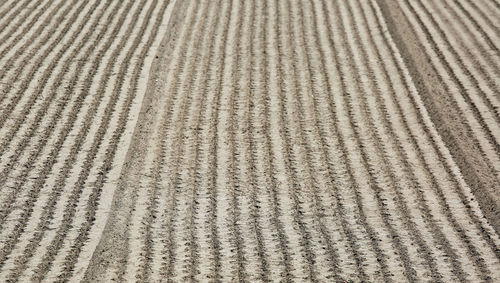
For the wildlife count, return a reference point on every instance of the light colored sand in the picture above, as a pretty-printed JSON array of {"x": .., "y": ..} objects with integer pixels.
[{"x": 249, "y": 141}]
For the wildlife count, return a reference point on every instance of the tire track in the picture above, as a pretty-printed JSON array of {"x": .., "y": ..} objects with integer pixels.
[
  {"x": 156, "y": 169},
  {"x": 475, "y": 104},
  {"x": 446, "y": 207},
  {"x": 55, "y": 245},
  {"x": 430, "y": 261},
  {"x": 473, "y": 218},
  {"x": 84, "y": 231},
  {"x": 276, "y": 141},
  {"x": 458, "y": 88}
]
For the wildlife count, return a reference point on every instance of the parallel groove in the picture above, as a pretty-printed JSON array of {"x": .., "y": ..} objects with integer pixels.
[
  {"x": 445, "y": 206},
  {"x": 194, "y": 261},
  {"x": 38, "y": 118},
  {"x": 474, "y": 218},
  {"x": 374, "y": 239},
  {"x": 487, "y": 134},
  {"x": 48, "y": 163},
  {"x": 462, "y": 66},
  {"x": 430, "y": 261},
  {"x": 257, "y": 141}
]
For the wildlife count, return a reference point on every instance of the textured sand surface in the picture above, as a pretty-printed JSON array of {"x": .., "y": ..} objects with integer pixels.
[{"x": 250, "y": 141}]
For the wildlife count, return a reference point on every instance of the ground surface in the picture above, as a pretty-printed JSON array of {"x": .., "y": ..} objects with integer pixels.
[{"x": 250, "y": 140}]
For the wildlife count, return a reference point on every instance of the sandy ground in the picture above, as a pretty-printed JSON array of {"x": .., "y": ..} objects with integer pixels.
[{"x": 250, "y": 141}]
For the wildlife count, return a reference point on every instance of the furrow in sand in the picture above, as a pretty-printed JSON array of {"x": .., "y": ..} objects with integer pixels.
[
  {"x": 278, "y": 134},
  {"x": 341, "y": 177},
  {"x": 223, "y": 171},
  {"x": 450, "y": 253},
  {"x": 248, "y": 143},
  {"x": 391, "y": 210},
  {"x": 217, "y": 272},
  {"x": 28, "y": 134},
  {"x": 363, "y": 193},
  {"x": 371, "y": 180},
  {"x": 269, "y": 230},
  {"x": 204, "y": 265},
  {"x": 276, "y": 240},
  {"x": 476, "y": 55},
  {"x": 11, "y": 8},
  {"x": 12, "y": 52},
  {"x": 25, "y": 35},
  {"x": 483, "y": 24},
  {"x": 254, "y": 262},
  {"x": 50, "y": 158},
  {"x": 456, "y": 136},
  {"x": 487, "y": 10},
  {"x": 163, "y": 197},
  {"x": 30, "y": 103},
  {"x": 465, "y": 13},
  {"x": 133, "y": 244},
  {"x": 196, "y": 195},
  {"x": 341, "y": 262},
  {"x": 33, "y": 154},
  {"x": 476, "y": 97},
  {"x": 120, "y": 122},
  {"x": 20, "y": 14},
  {"x": 404, "y": 178},
  {"x": 490, "y": 8},
  {"x": 108, "y": 153},
  {"x": 459, "y": 188},
  {"x": 109, "y": 141},
  {"x": 482, "y": 272},
  {"x": 469, "y": 111},
  {"x": 457, "y": 259},
  {"x": 148, "y": 202},
  {"x": 173, "y": 168},
  {"x": 326, "y": 257},
  {"x": 466, "y": 264},
  {"x": 276, "y": 141},
  {"x": 229, "y": 177},
  {"x": 80, "y": 138},
  {"x": 36, "y": 80},
  {"x": 451, "y": 170}
]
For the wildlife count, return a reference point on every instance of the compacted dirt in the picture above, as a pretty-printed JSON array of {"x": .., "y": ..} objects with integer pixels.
[{"x": 250, "y": 140}]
